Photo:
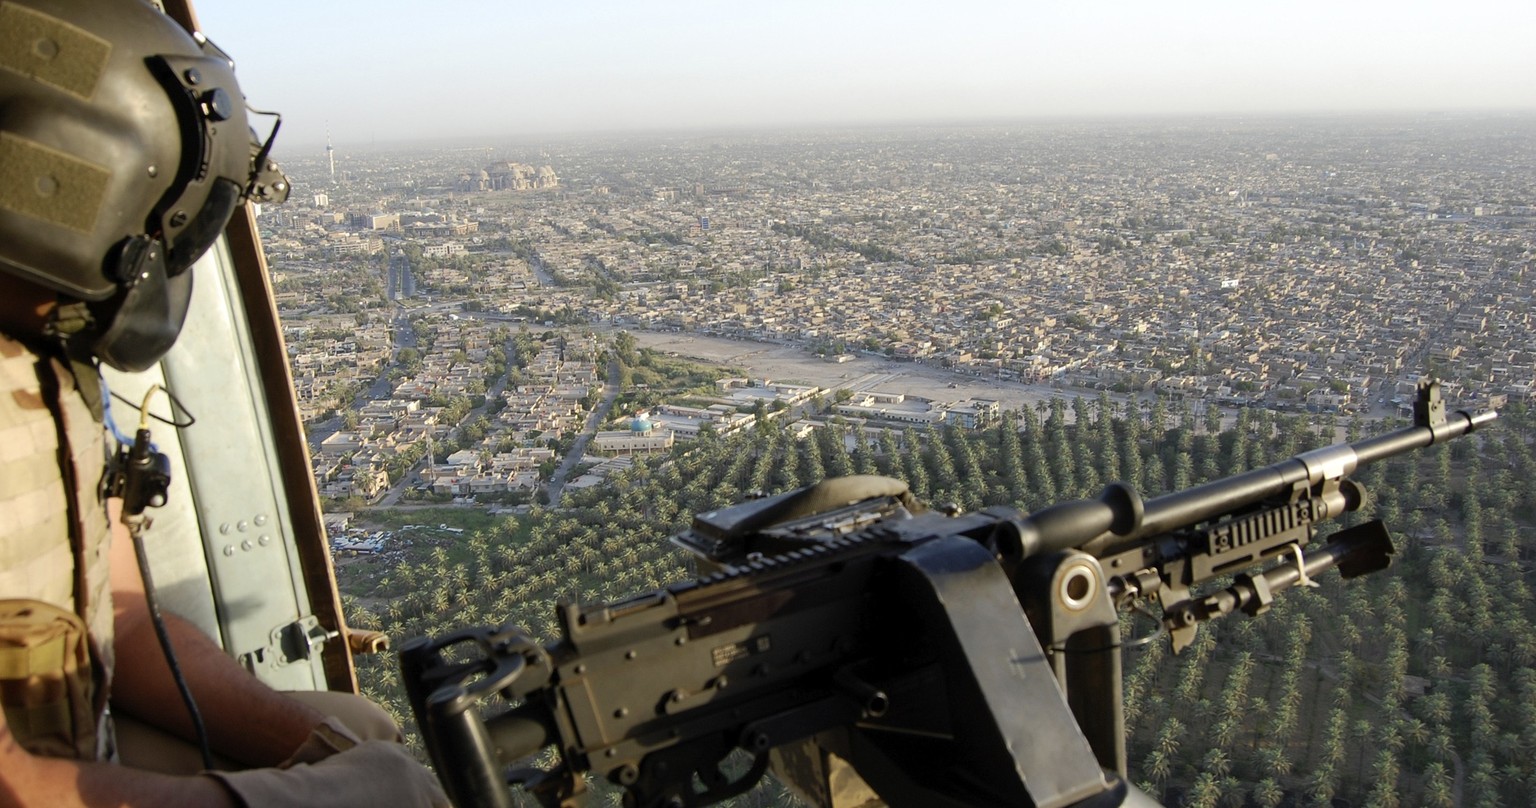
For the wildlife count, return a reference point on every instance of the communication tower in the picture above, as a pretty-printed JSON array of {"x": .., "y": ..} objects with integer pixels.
[{"x": 330, "y": 155}]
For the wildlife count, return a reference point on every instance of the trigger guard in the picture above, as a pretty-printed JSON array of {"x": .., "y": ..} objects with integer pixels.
[{"x": 651, "y": 791}]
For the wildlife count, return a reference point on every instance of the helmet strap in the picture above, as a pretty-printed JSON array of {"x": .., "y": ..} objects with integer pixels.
[{"x": 68, "y": 320}]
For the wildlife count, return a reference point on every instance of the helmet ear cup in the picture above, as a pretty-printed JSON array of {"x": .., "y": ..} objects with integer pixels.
[
  {"x": 204, "y": 229},
  {"x": 143, "y": 319},
  {"x": 216, "y": 148}
]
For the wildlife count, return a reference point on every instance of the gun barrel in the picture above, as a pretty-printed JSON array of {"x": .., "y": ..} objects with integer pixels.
[
  {"x": 1213, "y": 499},
  {"x": 1393, "y": 443},
  {"x": 1218, "y": 498}
]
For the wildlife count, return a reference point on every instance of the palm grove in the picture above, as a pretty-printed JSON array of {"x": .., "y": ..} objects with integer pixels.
[{"x": 1412, "y": 687}]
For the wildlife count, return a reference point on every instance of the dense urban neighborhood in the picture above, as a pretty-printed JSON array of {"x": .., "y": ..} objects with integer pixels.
[{"x": 450, "y": 312}]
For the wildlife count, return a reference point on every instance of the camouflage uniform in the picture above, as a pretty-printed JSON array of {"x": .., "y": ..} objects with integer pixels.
[{"x": 55, "y": 598}]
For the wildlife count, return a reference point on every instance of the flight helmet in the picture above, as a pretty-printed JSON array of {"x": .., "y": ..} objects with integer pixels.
[{"x": 124, "y": 150}]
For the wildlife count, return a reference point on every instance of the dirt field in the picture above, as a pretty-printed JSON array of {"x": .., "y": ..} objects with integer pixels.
[{"x": 792, "y": 365}]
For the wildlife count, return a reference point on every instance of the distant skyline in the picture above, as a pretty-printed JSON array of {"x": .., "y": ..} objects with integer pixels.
[{"x": 390, "y": 71}]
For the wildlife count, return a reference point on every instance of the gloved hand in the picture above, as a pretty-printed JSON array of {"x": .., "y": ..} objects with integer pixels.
[
  {"x": 373, "y": 773},
  {"x": 329, "y": 737}
]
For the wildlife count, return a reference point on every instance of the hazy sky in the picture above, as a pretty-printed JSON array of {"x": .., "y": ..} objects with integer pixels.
[{"x": 391, "y": 70}]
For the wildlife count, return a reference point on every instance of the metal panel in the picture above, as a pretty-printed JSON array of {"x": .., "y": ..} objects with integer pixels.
[{"x": 234, "y": 483}]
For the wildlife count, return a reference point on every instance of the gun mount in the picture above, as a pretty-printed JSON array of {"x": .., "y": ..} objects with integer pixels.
[{"x": 950, "y": 659}]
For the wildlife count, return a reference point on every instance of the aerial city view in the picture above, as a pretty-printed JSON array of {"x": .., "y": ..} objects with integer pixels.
[
  {"x": 491, "y": 329},
  {"x": 835, "y": 405},
  {"x": 917, "y": 276},
  {"x": 525, "y": 358}
]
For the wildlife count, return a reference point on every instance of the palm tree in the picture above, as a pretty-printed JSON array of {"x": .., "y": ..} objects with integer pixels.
[
  {"x": 1323, "y": 787},
  {"x": 811, "y": 467},
  {"x": 1435, "y": 707},
  {"x": 941, "y": 465},
  {"x": 1268, "y": 794},
  {"x": 1158, "y": 766},
  {"x": 1216, "y": 762},
  {"x": 1009, "y": 460},
  {"x": 833, "y": 454},
  {"x": 1168, "y": 740},
  {"x": 1041, "y": 483},
  {"x": 1513, "y": 775},
  {"x": 1437, "y": 791},
  {"x": 1482, "y": 783},
  {"x": 1385, "y": 771},
  {"x": 890, "y": 454},
  {"x": 863, "y": 460},
  {"x": 1441, "y": 748},
  {"x": 1205, "y": 792},
  {"x": 1225, "y": 734},
  {"x": 1274, "y": 761}
]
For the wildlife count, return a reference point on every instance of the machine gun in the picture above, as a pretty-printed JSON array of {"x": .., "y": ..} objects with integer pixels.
[{"x": 951, "y": 659}]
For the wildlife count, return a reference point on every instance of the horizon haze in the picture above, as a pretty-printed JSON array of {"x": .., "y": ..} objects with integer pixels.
[{"x": 394, "y": 71}]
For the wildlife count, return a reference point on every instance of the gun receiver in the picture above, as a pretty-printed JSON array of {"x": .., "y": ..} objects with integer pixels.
[{"x": 952, "y": 660}]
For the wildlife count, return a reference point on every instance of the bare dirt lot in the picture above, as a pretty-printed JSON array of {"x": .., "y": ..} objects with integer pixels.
[{"x": 783, "y": 363}]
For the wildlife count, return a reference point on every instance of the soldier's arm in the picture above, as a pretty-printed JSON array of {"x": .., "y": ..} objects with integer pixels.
[
  {"x": 246, "y": 720},
  {"x": 26, "y": 780}
]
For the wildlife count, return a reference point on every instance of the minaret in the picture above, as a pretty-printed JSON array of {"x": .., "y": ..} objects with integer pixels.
[{"x": 330, "y": 154}]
